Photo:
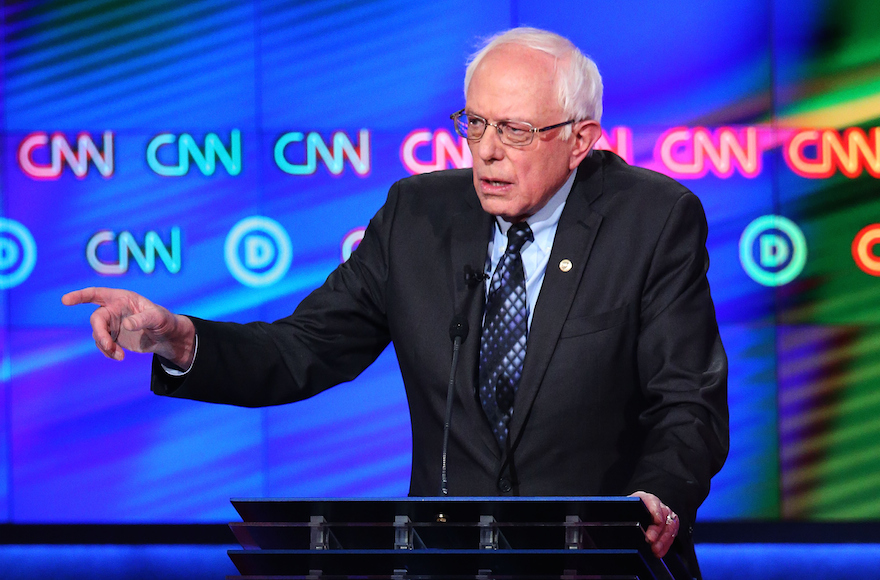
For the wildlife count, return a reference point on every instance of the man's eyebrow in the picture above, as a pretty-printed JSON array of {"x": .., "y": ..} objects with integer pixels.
[{"x": 508, "y": 120}]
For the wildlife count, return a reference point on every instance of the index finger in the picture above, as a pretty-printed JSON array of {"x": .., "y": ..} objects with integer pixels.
[{"x": 85, "y": 296}]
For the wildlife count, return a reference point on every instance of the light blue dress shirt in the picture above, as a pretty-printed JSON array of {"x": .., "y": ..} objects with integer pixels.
[{"x": 535, "y": 254}]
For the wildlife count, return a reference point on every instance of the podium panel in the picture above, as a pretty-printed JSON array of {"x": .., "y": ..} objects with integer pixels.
[{"x": 426, "y": 538}]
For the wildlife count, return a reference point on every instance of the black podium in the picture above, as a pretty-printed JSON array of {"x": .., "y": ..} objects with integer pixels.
[{"x": 567, "y": 538}]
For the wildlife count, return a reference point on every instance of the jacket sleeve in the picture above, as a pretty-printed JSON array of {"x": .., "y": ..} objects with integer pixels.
[
  {"x": 335, "y": 333},
  {"x": 682, "y": 368}
]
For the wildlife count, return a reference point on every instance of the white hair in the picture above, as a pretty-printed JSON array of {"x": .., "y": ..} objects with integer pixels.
[{"x": 578, "y": 82}]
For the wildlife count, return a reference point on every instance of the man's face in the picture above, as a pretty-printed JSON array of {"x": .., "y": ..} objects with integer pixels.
[{"x": 514, "y": 83}]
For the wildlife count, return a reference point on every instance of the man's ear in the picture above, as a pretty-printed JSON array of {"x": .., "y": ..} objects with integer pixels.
[{"x": 585, "y": 135}]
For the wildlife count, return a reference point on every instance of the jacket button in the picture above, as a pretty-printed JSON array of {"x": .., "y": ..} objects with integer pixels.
[{"x": 504, "y": 485}]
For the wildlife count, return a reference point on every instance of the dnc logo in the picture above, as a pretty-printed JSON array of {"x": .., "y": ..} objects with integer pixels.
[
  {"x": 18, "y": 253},
  {"x": 258, "y": 251}
]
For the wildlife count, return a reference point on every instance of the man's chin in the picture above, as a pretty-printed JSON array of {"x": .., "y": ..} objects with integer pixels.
[{"x": 501, "y": 208}]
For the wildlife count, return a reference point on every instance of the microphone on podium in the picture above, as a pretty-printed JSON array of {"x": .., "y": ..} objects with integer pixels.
[{"x": 458, "y": 331}]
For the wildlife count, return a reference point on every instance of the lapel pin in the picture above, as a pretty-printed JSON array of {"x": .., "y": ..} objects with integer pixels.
[{"x": 565, "y": 265}]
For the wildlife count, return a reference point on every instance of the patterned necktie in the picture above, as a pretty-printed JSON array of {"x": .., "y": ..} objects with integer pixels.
[{"x": 505, "y": 330}]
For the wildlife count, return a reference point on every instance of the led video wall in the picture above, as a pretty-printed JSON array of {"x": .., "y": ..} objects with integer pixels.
[{"x": 222, "y": 157}]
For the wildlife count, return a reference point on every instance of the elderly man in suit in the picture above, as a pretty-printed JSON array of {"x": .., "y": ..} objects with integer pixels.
[{"x": 595, "y": 365}]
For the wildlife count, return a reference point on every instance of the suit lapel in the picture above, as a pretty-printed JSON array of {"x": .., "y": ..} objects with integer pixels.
[
  {"x": 574, "y": 239},
  {"x": 471, "y": 231}
]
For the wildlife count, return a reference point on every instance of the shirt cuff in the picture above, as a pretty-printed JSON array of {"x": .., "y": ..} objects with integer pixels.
[{"x": 176, "y": 371}]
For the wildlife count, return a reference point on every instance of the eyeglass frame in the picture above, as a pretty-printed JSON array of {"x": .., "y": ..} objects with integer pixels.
[{"x": 532, "y": 132}]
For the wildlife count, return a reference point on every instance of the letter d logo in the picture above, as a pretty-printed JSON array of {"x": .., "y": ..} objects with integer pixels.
[
  {"x": 18, "y": 253},
  {"x": 773, "y": 250},
  {"x": 258, "y": 251}
]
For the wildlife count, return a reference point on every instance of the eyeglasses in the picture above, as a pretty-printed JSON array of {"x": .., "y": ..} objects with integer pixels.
[{"x": 516, "y": 133}]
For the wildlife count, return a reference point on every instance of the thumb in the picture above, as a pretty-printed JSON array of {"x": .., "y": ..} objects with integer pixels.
[{"x": 148, "y": 319}]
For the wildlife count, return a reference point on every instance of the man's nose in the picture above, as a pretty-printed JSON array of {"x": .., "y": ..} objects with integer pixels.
[{"x": 489, "y": 146}]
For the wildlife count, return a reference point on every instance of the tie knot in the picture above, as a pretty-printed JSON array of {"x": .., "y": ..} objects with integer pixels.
[{"x": 517, "y": 236}]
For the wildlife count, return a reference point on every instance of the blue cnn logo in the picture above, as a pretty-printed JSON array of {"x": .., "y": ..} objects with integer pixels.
[
  {"x": 110, "y": 254},
  {"x": 188, "y": 152}
]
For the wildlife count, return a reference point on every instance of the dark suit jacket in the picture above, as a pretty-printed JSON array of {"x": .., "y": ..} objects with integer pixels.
[{"x": 624, "y": 381}]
